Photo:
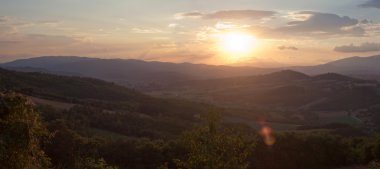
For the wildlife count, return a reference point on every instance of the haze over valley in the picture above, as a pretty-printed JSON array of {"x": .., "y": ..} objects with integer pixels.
[{"x": 202, "y": 84}]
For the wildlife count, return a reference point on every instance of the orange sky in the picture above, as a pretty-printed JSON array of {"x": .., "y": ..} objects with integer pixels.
[{"x": 292, "y": 33}]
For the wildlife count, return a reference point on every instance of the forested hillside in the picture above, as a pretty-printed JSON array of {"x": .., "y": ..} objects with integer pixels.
[
  {"x": 134, "y": 73},
  {"x": 107, "y": 102},
  {"x": 108, "y": 126},
  {"x": 287, "y": 96}
]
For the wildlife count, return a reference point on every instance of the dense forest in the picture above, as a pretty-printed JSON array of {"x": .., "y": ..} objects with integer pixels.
[
  {"x": 110, "y": 126},
  {"x": 31, "y": 139}
]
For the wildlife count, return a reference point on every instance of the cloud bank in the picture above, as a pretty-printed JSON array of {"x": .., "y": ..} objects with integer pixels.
[
  {"x": 364, "y": 47},
  {"x": 319, "y": 24},
  {"x": 287, "y": 48},
  {"x": 371, "y": 4},
  {"x": 228, "y": 14}
]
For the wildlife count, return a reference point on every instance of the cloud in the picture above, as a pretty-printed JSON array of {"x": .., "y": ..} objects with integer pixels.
[
  {"x": 173, "y": 25},
  {"x": 49, "y": 40},
  {"x": 371, "y": 4},
  {"x": 6, "y": 42},
  {"x": 147, "y": 30},
  {"x": 228, "y": 14},
  {"x": 316, "y": 25},
  {"x": 301, "y": 24},
  {"x": 239, "y": 14},
  {"x": 188, "y": 15},
  {"x": 287, "y": 48},
  {"x": 16, "y": 39},
  {"x": 6, "y": 25},
  {"x": 12, "y": 25},
  {"x": 6, "y": 29},
  {"x": 320, "y": 24},
  {"x": 364, "y": 47}
]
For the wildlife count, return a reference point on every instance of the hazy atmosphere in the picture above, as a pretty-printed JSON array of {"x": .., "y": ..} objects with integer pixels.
[
  {"x": 189, "y": 84},
  {"x": 295, "y": 32}
]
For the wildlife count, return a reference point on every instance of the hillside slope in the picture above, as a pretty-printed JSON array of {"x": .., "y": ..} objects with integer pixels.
[
  {"x": 138, "y": 113},
  {"x": 285, "y": 91},
  {"x": 348, "y": 66},
  {"x": 135, "y": 73}
]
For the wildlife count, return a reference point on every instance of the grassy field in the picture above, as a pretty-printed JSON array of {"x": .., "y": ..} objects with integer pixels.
[
  {"x": 257, "y": 125},
  {"x": 55, "y": 104},
  {"x": 340, "y": 119}
]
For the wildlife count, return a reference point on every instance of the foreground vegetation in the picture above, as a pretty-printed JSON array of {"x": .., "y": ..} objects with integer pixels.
[
  {"x": 58, "y": 140},
  {"x": 109, "y": 126}
]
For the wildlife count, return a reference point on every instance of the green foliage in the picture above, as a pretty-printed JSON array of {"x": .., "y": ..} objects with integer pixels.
[
  {"x": 314, "y": 151},
  {"x": 70, "y": 88},
  {"x": 20, "y": 134},
  {"x": 86, "y": 118},
  {"x": 139, "y": 153},
  {"x": 213, "y": 147},
  {"x": 374, "y": 165},
  {"x": 90, "y": 163},
  {"x": 150, "y": 128}
]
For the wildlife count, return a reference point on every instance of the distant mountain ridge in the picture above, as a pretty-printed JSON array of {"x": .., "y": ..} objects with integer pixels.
[
  {"x": 147, "y": 74},
  {"x": 131, "y": 72},
  {"x": 348, "y": 66}
]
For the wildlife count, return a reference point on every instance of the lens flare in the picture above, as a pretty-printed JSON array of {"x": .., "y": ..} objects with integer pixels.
[{"x": 267, "y": 135}]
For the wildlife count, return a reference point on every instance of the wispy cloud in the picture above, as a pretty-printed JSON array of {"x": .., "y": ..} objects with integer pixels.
[
  {"x": 227, "y": 14},
  {"x": 319, "y": 24},
  {"x": 147, "y": 30},
  {"x": 364, "y": 47},
  {"x": 287, "y": 48},
  {"x": 371, "y": 4}
]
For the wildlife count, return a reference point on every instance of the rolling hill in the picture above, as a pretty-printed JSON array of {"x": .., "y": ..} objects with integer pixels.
[
  {"x": 146, "y": 75},
  {"x": 286, "y": 94},
  {"x": 136, "y": 113},
  {"x": 134, "y": 73},
  {"x": 358, "y": 66}
]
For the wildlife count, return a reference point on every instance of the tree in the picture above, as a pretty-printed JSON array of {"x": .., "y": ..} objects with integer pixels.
[
  {"x": 374, "y": 165},
  {"x": 20, "y": 134},
  {"x": 90, "y": 163},
  {"x": 215, "y": 147}
]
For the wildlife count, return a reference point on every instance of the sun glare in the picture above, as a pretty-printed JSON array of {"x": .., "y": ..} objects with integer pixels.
[{"x": 237, "y": 43}]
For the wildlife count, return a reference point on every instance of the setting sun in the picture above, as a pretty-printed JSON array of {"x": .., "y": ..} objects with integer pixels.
[
  {"x": 237, "y": 43},
  {"x": 204, "y": 84}
]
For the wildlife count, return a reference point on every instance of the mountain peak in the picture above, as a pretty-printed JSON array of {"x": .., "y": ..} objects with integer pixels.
[
  {"x": 348, "y": 66},
  {"x": 288, "y": 75},
  {"x": 333, "y": 76}
]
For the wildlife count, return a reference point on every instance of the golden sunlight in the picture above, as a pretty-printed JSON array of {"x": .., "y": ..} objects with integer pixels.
[{"x": 237, "y": 43}]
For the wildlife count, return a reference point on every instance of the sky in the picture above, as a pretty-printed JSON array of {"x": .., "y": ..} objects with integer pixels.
[{"x": 292, "y": 32}]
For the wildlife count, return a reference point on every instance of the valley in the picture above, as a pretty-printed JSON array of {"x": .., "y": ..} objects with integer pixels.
[
  {"x": 181, "y": 84},
  {"x": 288, "y": 104}
]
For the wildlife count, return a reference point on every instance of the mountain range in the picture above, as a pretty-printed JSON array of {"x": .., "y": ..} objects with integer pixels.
[
  {"x": 355, "y": 66},
  {"x": 129, "y": 72},
  {"x": 144, "y": 74},
  {"x": 284, "y": 96}
]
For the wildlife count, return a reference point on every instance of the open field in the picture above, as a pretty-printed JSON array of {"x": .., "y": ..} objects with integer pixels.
[
  {"x": 55, "y": 104},
  {"x": 258, "y": 125}
]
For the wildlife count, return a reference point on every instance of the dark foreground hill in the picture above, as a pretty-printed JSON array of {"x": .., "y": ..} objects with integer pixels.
[
  {"x": 110, "y": 125},
  {"x": 143, "y": 113}
]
